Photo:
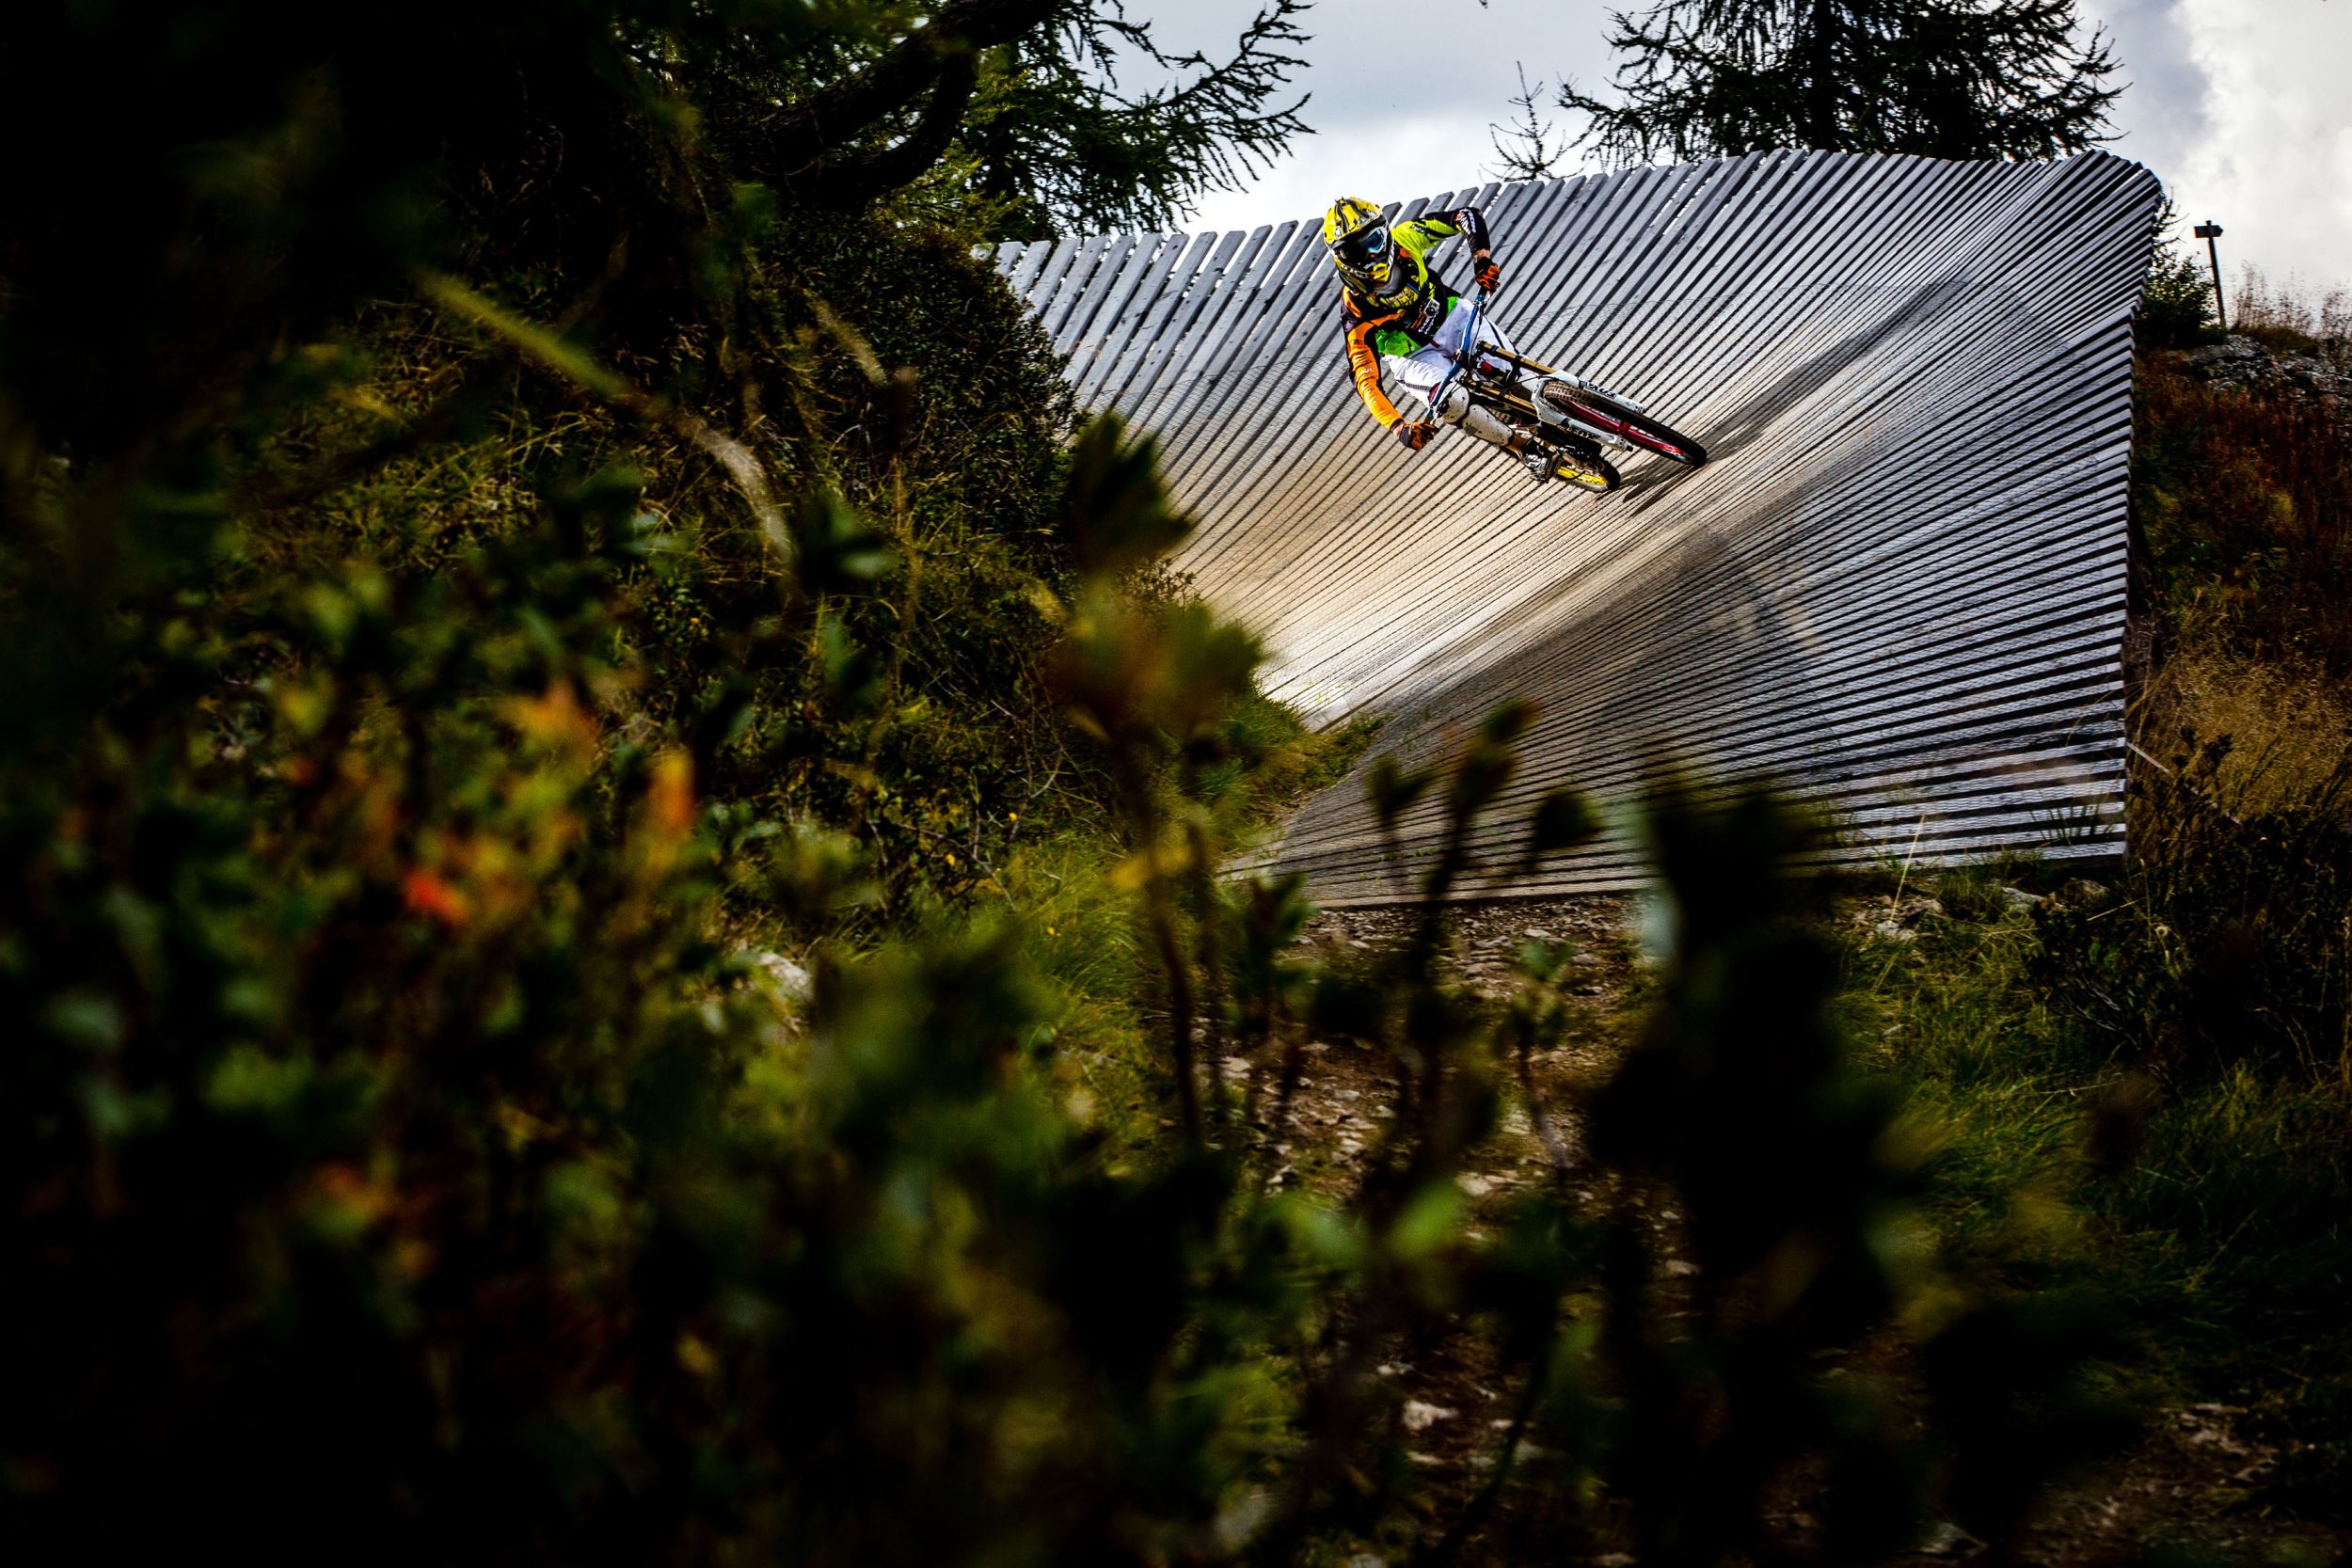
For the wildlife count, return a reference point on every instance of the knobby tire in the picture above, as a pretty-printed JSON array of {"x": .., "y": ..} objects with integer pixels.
[
  {"x": 1587, "y": 473},
  {"x": 1648, "y": 434}
]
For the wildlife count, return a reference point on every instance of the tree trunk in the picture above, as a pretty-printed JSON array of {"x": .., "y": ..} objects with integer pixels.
[
  {"x": 801, "y": 135},
  {"x": 1822, "y": 130}
]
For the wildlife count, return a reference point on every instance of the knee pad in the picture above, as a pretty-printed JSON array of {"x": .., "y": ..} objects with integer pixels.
[{"x": 1455, "y": 404}]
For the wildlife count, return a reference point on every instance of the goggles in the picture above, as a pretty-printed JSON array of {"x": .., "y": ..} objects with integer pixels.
[{"x": 1363, "y": 248}]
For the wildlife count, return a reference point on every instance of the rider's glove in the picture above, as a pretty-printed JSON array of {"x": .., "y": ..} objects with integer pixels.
[
  {"x": 1488, "y": 272},
  {"x": 1415, "y": 434}
]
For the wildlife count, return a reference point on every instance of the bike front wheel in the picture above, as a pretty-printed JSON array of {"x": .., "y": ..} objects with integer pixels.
[
  {"x": 1631, "y": 424},
  {"x": 1652, "y": 434},
  {"x": 1664, "y": 440}
]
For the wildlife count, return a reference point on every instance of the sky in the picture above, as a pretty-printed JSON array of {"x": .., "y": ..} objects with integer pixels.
[{"x": 2242, "y": 107}]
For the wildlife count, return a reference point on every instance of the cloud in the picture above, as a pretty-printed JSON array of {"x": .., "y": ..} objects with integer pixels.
[
  {"x": 2162, "y": 114},
  {"x": 2274, "y": 164},
  {"x": 2238, "y": 105}
]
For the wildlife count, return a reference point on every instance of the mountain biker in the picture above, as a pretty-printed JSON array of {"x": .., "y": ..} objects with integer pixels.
[{"x": 1401, "y": 316}]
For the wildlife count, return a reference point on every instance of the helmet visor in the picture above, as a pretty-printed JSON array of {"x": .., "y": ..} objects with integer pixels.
[{"x": 1365, "y": 248}]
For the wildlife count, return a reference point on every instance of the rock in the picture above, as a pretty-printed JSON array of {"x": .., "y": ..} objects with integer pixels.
[
  {"x": 2019, "y": 898},
  {"x": 2232, "y": 357},
  {"x": 2243, "y": 364},
  {"x": 791, "y": 982},
  {"x": 786, "y": 987},
  {"x": 1681, "y": 1267},
  {"x": 1537, "y": 934},
  {"x": 2079, "y": 890},
  {"x": 1524, "y": 1450},
  {"x": 1942, "y": 1538},
  {"x": 1420, "y": 1415}
]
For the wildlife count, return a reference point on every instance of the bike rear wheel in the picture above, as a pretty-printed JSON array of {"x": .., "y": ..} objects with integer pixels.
[{"x": 1586, "y": 472}]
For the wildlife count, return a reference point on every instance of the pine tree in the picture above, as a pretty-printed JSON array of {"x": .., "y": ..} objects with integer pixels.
[
  {"x": 1528, "y": 147},
  {"x": 1944, "y": 78},
  {"x": 1016, "y": 107}
]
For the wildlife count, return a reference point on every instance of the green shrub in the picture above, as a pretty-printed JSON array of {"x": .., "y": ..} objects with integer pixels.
[{"x": 2176, "y": 308}]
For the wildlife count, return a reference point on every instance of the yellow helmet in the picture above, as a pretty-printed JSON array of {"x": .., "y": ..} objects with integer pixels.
[{"x": 1361, "y": 244}]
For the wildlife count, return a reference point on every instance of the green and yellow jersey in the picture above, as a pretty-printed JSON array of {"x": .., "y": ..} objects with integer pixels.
[{"x": 1406, "y": 316}]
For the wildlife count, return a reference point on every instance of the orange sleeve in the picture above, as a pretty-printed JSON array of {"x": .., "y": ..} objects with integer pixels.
[{"x": 1366, "y": 366}]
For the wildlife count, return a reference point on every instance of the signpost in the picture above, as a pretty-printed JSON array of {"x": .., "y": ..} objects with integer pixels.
[{"x": 2210, "y": 231}]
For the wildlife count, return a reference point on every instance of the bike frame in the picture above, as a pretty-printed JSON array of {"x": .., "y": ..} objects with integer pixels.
[
  {"x": 1437, "y": 399},
  {"x": 1596, "y": 422},
  {"x": 1607, "y": 419},
  {"x": 1537, "y": 367}
]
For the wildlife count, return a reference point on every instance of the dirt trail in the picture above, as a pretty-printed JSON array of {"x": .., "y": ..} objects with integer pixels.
[
  {"x": 1343, "y": 1090},
  {"x": 2190, "y": 1481}
]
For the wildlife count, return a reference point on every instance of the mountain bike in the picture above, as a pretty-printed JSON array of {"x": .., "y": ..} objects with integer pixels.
[
  {"x": 1577, "y": 416},
  {"x": 1571, "y": 416}
]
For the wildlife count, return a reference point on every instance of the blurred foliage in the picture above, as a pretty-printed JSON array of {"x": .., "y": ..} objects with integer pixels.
[
  {"x": 401, "y": 1160},
  {"x": 610, "y": 832},
  {"x": 1790, "y": 1179}
]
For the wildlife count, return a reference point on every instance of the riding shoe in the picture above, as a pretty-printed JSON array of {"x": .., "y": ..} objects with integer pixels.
[{"x": 1538, "y": 459}]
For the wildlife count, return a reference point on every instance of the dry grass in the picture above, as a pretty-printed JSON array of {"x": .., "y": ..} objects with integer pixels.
[
  {"x": 2246, "y": 505},
  {"x": 2290, "y": 721},
  {"x": 2291, "y": 305}
]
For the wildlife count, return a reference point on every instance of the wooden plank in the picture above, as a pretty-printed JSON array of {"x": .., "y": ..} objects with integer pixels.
[{"x": 1898, "y": 586}]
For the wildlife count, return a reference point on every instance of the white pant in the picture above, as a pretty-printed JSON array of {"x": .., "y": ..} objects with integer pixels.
[{"x": 1420, "y": 371}]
